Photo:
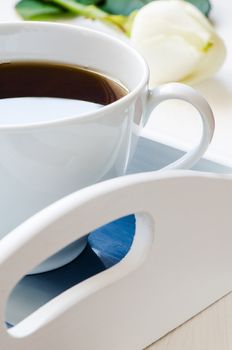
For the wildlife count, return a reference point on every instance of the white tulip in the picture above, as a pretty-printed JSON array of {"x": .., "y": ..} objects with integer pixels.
[{"x": 177, "y": 41}]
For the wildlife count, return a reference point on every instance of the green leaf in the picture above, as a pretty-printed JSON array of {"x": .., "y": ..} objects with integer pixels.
[
  {"x": 30, "y": 9},
  {"x": 89, "y": 2},
  {"x": 203, "y": 5},
  {"x": 95, "y": 9},
  {"x": 44, "y": 9},
  {"x": 123, "y": 7}
]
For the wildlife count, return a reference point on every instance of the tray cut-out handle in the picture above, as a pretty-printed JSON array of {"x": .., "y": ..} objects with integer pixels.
[
  {"x": 180, "y": 261},
  {"x": 43, "y": 235}
]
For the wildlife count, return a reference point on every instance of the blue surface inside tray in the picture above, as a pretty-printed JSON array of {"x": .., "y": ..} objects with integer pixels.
[{"x": 112, "y": 242}]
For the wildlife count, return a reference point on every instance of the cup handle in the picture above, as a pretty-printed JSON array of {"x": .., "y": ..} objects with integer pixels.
[{"x": 188, "y": 94}]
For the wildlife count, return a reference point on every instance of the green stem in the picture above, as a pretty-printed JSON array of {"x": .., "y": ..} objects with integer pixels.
[
  {"x": 124, "y": 23},
  {"x": 88, "y": 11}
]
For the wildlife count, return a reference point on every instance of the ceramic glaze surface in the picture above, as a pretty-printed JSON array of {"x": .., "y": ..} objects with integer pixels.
[
  {"x": 44, "y": 160},
  {"x": 42, "y": 165}
]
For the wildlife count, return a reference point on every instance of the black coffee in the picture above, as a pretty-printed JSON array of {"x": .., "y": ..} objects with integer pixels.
[{"x": 38, "y": 91}]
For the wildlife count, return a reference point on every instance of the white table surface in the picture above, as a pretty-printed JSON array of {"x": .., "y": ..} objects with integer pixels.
[{"x": 174, "y": 123}]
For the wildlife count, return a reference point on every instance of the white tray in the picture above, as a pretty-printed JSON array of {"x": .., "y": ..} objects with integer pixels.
[{"x": 34, "y": 291}]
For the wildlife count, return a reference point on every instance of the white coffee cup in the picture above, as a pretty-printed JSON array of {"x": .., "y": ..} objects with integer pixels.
[{"x": 44, "y": 160}]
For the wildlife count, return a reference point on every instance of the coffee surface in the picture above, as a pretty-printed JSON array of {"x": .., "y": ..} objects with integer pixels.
[{"x": 33, "y": 92}]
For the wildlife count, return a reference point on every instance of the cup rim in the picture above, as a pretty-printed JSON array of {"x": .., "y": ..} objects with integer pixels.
[{"x": 84, "y": 117}]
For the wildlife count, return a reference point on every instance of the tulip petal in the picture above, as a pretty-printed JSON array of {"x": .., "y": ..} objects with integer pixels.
[
  {"x": 177, "y": 41},
  {"x": 164, "y": 68},
  {"x": 210, "y": 62}
]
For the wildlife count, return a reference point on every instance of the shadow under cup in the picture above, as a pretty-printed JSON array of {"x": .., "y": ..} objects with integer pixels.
[{"x": 43, "y": 162}]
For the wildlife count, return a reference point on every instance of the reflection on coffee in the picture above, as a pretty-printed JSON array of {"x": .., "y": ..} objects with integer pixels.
[{"x": 33, "y": 92}]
